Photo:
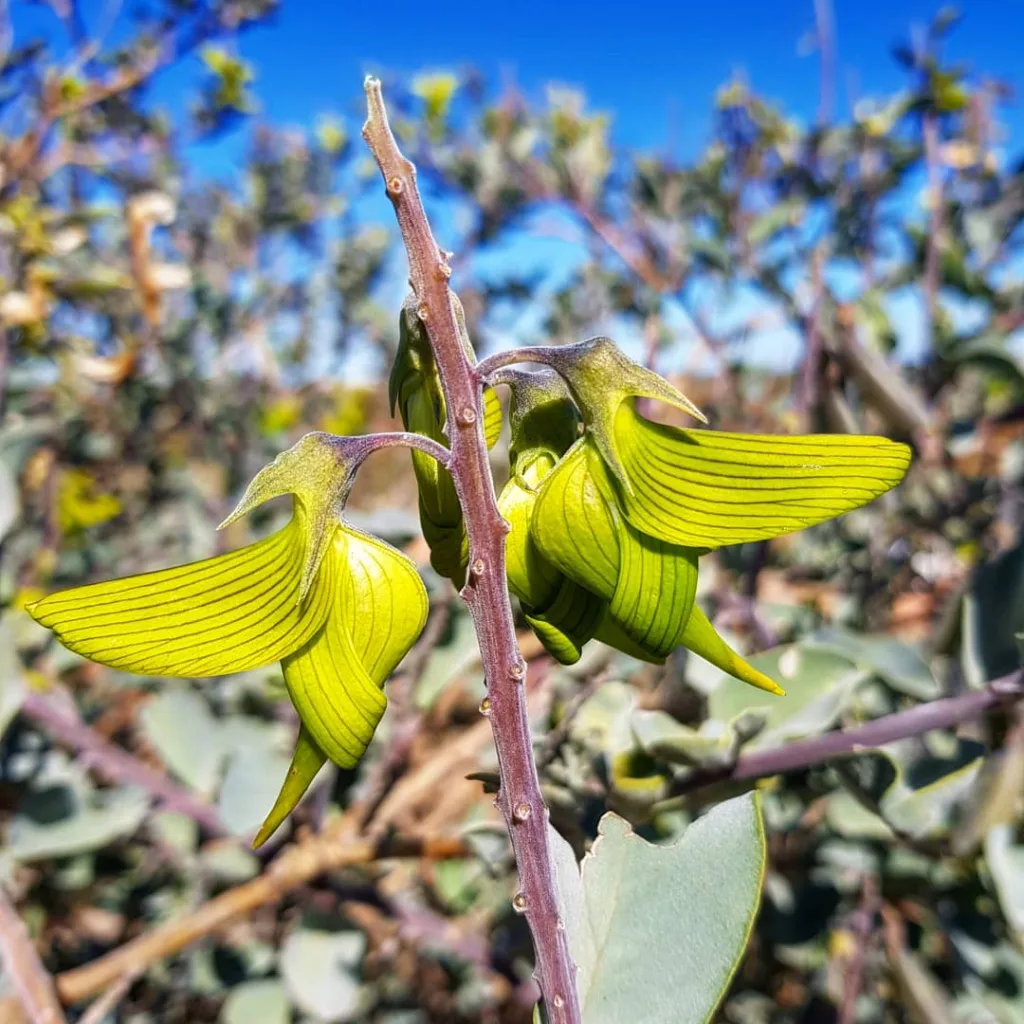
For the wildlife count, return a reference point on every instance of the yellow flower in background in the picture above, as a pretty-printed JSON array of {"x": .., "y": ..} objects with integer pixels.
[
  {"x": 339, "y": 609},
  {"x": 80, "y": 504}
]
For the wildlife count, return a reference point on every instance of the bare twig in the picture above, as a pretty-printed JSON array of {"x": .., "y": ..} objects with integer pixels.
[
  {"x": 486, "y": 592},
  {"x": 938, "y": 714},
  {"x": 114, "y": 764},
  {"x": 863, "y": 927},
  {"x": 106, "y": 1003},
  {"x": 334, "y": 848},
  {"x": 552, "y": 743},
  {"x": 30, "y": 979}
]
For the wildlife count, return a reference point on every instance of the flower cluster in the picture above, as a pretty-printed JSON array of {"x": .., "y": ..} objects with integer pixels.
[{"x": 610, "y": 511}]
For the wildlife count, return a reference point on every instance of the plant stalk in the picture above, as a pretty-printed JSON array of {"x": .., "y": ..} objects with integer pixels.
[{"x": 486, "y": 591}]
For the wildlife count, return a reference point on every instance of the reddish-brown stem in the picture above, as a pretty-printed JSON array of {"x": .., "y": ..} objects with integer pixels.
[{"x": 486, "y": 592}]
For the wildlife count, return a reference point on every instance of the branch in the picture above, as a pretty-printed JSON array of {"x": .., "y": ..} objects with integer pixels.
[
  {"x": 29, "y": 978},
  {"x": 332, "y": 849},
  {"x": 938, "y": 714},
  {"x": 528, "y": 354},
  {"x": 486, "y": 592},
  {"x": 114, "y": 764},
  {"x": 863, "y": 926}
]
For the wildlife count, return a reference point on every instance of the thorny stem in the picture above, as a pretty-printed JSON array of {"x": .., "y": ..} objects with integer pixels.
[{"x": 485, "y": 593}]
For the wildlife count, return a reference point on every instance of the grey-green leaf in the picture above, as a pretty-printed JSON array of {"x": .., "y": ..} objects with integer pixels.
[
  {"x": 819, "y": 686},
  {"x": 181, "y": 726},
  {"x": 264, "y": 1001},
  {"x": 93, "y": 825},
  {"x": 658, "y": 931},
  {"x": 320, "y": 973}
]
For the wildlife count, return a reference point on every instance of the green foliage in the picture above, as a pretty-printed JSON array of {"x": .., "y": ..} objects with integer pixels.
[
  {"x": 165, "y": 336},
  {"x": 696, "y": 899}
]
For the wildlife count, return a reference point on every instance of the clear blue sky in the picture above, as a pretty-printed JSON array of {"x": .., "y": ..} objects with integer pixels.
[{"x": 652, "y": 65}]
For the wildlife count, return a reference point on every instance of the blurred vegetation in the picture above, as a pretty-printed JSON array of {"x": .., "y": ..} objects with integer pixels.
[{"x": 164, "y": 335}]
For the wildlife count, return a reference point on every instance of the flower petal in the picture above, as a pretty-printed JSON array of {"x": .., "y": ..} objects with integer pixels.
[
  {"x": 611, "y": 633},
  {"x": 573, "y": 526},
  {"x": 338, "y": 702},
  {"x": 492, "y": 417},
  {"x": 701, "y": 638},
  {"x": 307, "y": 761},
  {"x": 231, "y": 613},
  {"x": 383, "y": 598},
  {"x": 655, "y": 590},
  {"x": 705, "y": 489},
  {"x": 531, "y": 577},
  {"x": 568, "y": 622}
]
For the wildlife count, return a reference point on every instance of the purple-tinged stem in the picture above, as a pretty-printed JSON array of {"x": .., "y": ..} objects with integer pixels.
[
  {"x": 486, "y": 592},
  {"x": 546, "y": 354},
  {"x": 359, "y": 446},
  {"x": 936, "y": 714},
  {"x": 114, "y": 764}
]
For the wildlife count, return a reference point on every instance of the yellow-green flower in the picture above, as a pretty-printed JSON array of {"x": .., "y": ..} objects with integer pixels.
[
  {"x": 339, "y": 609},
  {"x": 415, "y": 389},
  {"x": 544, "y": 424},
  {"x": 615, "y": 525}
]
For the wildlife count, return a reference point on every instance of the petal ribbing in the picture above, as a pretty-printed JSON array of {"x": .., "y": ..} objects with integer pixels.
[
  {"x": 226, "y": 614},
  {"x": 706, "y": 489},
  {"x": 382, "y": 598}
]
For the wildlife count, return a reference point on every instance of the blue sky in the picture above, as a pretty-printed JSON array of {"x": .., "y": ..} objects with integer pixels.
[{"x": 654, "y": 68}]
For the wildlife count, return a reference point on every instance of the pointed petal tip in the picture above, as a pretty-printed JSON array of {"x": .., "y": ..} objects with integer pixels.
[{"x": 266, "y": 831}]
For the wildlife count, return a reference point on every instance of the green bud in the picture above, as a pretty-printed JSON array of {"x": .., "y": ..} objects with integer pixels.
[{"x": 414, "y": 388}]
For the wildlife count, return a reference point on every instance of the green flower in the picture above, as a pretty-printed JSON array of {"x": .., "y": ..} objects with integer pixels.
[
  {"x": 618, "y": 520},
  {"x": 415, "y": 389},
  {"x": 544, "y": 424},
  {"x": 339, "y": 610}
]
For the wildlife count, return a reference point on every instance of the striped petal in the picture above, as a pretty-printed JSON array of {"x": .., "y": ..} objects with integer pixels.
[
  {"x": 337, "y": 700},
  {"x": 384, "y": 600},
  {"x": 492, "y": 417},
  {"x": 231, "y": 613},
  {"x": 573, "y": 525},
  {"x": 531, "y": 577},
  {"x": 706, "y": 489},
  {"x": 649, "y": 585},
  {"x": 654, "y": 593},
  {"x": 568, "y": 622},
  {"x": 336, "y": 680}
]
